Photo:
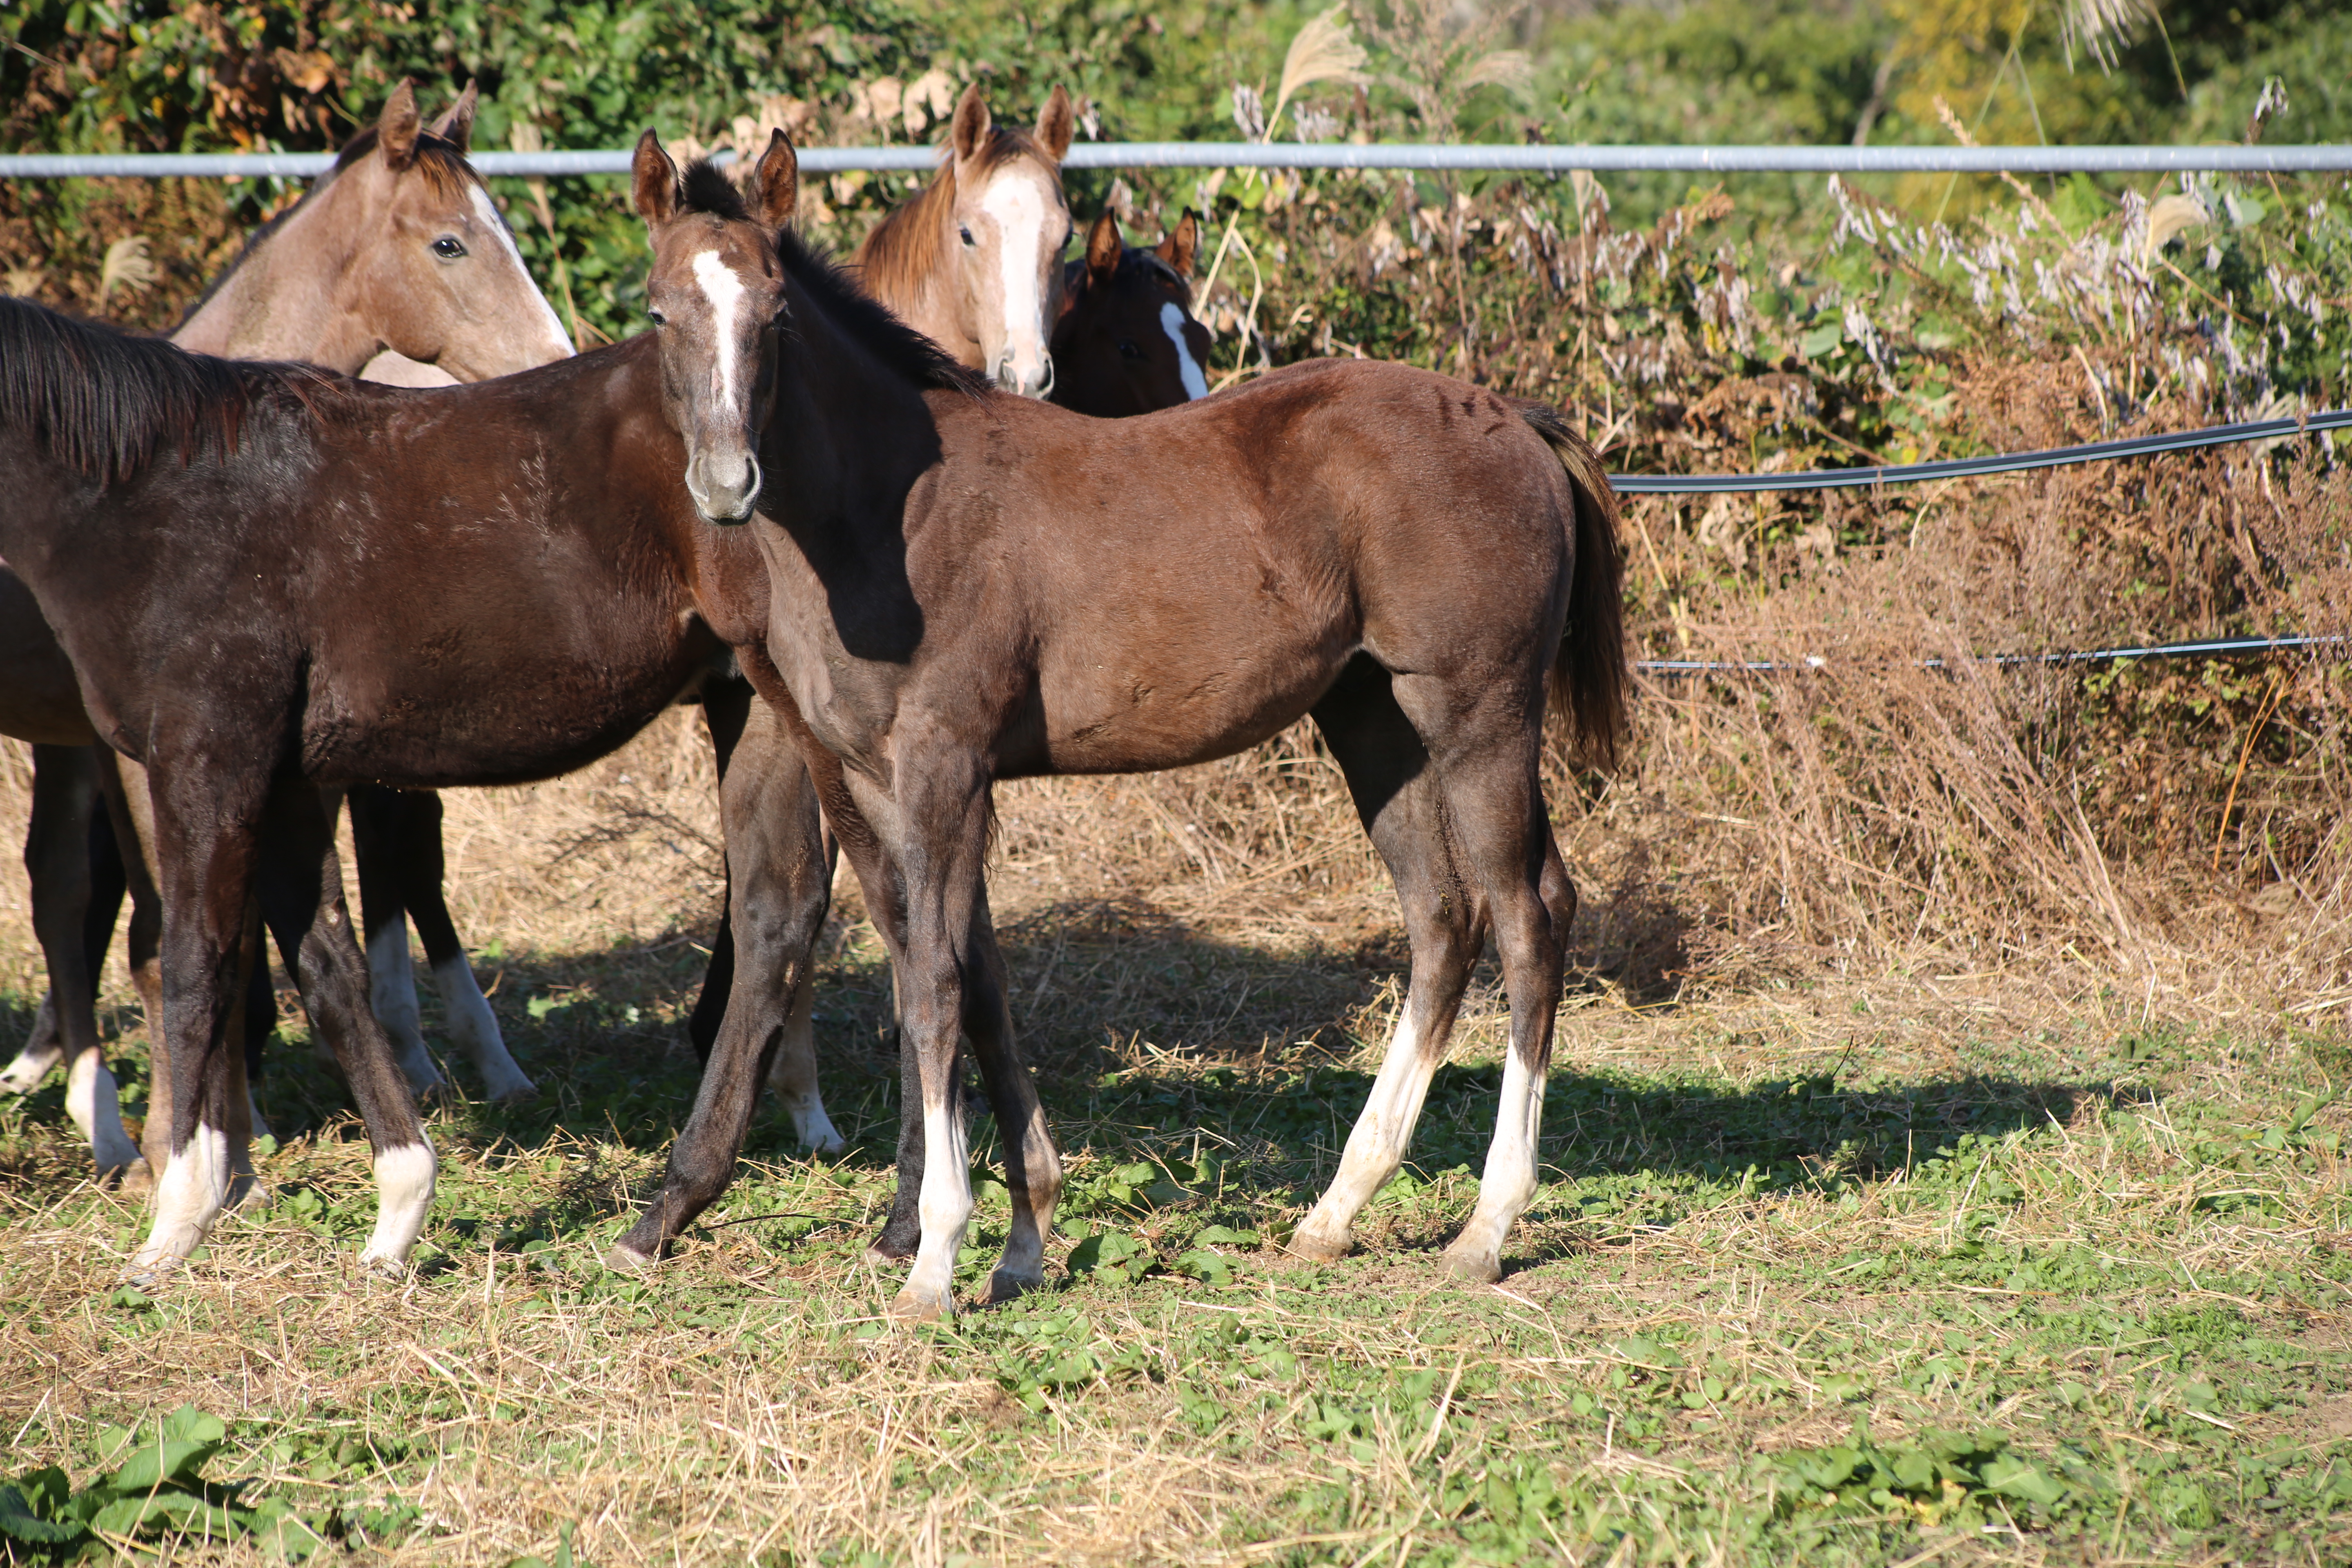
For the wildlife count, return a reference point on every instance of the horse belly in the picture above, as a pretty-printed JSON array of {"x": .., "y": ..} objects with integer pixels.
[
  {"x": 499, "y": 721},
  {"x": 1149, "y": 714},
  {"x": 40, "y": 700}
]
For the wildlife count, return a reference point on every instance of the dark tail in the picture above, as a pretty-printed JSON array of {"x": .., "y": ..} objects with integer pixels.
[{"x": 1589, "y": 679}]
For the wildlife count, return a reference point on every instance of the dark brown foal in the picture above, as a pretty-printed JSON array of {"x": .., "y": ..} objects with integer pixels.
[
  {"x": 274, "y": 582},
  {"x": 964, "y": 587},
  {"x": 397, "y": 247},
  {"x": 1126, "y": 342}
]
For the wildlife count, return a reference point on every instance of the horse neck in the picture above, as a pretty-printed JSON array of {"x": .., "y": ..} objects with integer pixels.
[
  {"x": 285, "y": 298},
  {"x": 851, "y": 430},
  {"x": 909, "y": 265}
]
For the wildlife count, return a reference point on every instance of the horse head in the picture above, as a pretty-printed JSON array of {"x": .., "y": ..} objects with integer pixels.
[
  {"x": 1126, "y": 342},
  {"x": 717, "y": 300},
  {"x": 438, "y": 278}
]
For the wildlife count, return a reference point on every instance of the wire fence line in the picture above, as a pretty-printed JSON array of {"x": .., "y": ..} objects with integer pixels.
[
  {"x": 2210, "y": 648},
  {"x": 1526, "y": 159},
  {"x": 1999, "y": 463}
]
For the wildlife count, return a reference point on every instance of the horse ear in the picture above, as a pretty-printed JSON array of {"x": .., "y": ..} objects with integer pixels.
[
  {"x": 1055, "y": 122},
  {"x": 969, "y": 133},
  {"x": 1104, "y": 243},
  {"x": 1182, "y": 246},
  {"x": 456, "y": 122},
  {"x": 776, "y": 183},
  {"x": 652, "y": 180},
  {"x": 396, "y": 127}
]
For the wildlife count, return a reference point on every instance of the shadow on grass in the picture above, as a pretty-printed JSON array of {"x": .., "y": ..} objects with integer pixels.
[{"x": 1148, "y": 1038}]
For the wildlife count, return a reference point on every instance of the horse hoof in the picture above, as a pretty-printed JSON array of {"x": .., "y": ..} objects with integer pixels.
[
  {"x": 911, "y": 1307},
  {"x": 133, "y": 1180},
  {"x": 1317, "y": 1245},
  {"x": 1006, "y": 1286},
  {"x": 622, "y": 1259},
  {"x": 890, "y": 1247},
  {"x": 375, "y": 1268},
  {"x": 249, "y": 1194},
  {"x": 1478, "y": 1267},
  {"x": 522, "y": 1093}
]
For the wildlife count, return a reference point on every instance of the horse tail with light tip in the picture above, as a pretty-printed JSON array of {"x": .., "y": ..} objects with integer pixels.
[{"x": 1589, "y": 680}]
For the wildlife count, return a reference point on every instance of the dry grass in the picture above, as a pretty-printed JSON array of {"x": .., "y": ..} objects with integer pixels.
[{"x": 1920, "y": 1067}]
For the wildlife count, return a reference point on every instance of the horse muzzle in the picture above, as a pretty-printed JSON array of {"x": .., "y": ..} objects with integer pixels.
[
  {"x": 1025, "y": 380},
  {"x": 727, "y": 500}
]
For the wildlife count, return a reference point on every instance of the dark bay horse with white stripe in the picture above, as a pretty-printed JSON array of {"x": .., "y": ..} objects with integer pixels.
[
  {"x": 964, "y": 587},
  {"x": 274, "y": 582},
  {"x": 1126, "y": 342}
]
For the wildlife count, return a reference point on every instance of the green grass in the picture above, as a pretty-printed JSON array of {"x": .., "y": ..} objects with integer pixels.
[{"x": 1817, "y": 1278}]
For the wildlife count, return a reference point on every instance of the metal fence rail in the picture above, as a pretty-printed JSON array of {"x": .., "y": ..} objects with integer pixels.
[{"x": 1546, "y": 159}]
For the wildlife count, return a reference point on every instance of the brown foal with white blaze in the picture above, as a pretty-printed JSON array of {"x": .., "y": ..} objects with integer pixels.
[
  {"x": 974, "y": 263},
  {"x": 964, "y": 587}
]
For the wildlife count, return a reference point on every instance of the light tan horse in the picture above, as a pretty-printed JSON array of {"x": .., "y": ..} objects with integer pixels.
[
  {"x": 397, "y": 247},
  {"x": 974, "y": 262},
  {"x": 396, "y": 250}
]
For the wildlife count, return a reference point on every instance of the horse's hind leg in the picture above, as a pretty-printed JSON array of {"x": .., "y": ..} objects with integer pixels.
[
  {"x": 302, "y": 900},
  {"x": 1397, "y": 794},
  {"x": 726, "y": 707},
  {"x": 1497, "y": 805},
  {"x": 57, "y": 853},
  {"x": 379, "y": 844},
  {"x": 779, "y": 882},
  {"x": 423, "y": 872}
]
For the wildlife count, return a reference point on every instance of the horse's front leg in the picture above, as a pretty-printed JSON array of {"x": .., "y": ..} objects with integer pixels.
[
  {"x": 1032, "y": 1169},
  {"x": 204, "y": 832},
  {"x": 302, "y": 900},
  {"x": 940, "y": 814}
]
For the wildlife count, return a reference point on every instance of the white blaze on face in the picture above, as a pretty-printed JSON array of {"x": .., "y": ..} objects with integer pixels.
[
  {"x": 1016, "y": 200},
  {"x": 559, "y": 340},
  {"x": 725, "y": 292},
  {"x": 1171, "y": 322}
]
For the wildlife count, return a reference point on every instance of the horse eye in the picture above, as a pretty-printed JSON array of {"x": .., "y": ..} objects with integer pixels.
[
  {"x": 1127, "y": 350},
  {"x": 657, "y": 318},
  {"x": 965, "y": 230},
  {"x": 448, "y": 247}
]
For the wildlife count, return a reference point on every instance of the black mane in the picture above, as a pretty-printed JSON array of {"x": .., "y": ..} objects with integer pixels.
[
  {"x": 872, "y": 323},
  {"x": 104, "y": 400},
  {"x": 705, "y": 189}
]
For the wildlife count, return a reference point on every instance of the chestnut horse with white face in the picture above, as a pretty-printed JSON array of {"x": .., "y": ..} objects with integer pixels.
[{"x": 974, "y": 263}]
